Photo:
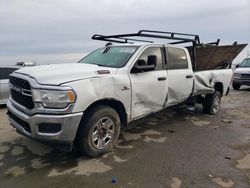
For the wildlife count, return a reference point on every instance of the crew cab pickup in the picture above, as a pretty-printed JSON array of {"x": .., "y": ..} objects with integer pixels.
[{"x": 85, "y": 104}]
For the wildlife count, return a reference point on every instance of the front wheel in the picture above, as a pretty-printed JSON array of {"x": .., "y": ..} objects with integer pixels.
[
  {"x": 99, "y": 131},
  {"x": 211, "y": 103}
]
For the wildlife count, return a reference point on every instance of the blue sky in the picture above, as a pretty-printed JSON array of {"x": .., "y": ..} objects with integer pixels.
[{"x": 60, "y": 31}]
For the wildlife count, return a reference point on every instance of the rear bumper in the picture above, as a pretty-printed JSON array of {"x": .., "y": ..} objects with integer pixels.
[{"x": 45, "y": 127}]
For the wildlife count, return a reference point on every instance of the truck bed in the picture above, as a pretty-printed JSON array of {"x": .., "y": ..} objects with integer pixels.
[
  {"x": 213, "y": 65},
  {"x": 204, "y": 80},
  {"x": 210, "y": 57}
]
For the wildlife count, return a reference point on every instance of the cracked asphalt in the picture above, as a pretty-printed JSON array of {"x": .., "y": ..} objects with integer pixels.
[{"x": 178, "y": 147}]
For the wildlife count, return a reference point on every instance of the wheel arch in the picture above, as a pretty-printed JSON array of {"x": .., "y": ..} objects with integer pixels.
[
  {"x": 218, "y": 86},
  {"x": 117, "y": 105}
]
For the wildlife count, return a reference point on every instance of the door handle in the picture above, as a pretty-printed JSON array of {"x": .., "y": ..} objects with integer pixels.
[
  {"x": 162, "y": 78},
  {"x": 189, "y": 76}
]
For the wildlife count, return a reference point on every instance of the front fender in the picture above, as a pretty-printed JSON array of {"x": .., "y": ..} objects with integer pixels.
[{"x": 91, "y": 90}]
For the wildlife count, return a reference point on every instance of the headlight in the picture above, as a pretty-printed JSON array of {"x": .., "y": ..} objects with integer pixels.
[
  {"x": 236, "y": 75},
  {"x": 53, "y": 99}
]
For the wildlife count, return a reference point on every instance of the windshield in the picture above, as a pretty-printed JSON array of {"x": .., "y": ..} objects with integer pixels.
[
  {"x": 110, "y": 56},
  {"x": 245, "y": 63}
]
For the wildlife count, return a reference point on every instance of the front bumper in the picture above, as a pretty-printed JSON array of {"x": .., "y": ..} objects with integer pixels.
[{"x": 45, "y": 127}]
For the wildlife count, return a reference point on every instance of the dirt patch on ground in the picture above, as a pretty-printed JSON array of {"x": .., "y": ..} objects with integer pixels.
[
  {"x": 244, "y": 163},
  {"x": 223, "y": 183}
]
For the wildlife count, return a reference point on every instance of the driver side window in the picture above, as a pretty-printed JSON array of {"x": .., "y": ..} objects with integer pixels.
[{"x": 152, "y": 52}]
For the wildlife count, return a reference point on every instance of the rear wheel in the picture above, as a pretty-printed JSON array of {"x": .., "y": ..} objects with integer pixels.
[
  {"x": 211, "y": 103},
  {"x": 99, "y": 131},
  {"x": 236, "y": 86}
]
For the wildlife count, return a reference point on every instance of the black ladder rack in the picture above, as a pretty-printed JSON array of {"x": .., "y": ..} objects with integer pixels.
[
  {"x": 209, "y": 55},
  {"x": 126, "y": 38},
  {"x": 178, "y": 38}
]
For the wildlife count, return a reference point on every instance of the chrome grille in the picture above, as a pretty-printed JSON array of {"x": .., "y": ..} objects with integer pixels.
[
  {"x": 245, "y": 76},
  {"x": 20, "y": 91}
]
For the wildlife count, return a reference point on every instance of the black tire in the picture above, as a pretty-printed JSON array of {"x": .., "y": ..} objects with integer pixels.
[
  {"x": 94, "y": 121},
  {"x": 211, "y": 103},
  {"x": 236, "y": 86}
]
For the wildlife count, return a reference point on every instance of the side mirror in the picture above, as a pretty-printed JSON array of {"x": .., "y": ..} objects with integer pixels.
[
  {"x": 237, "y": 66},
  {"x": 141, "y": 66}
]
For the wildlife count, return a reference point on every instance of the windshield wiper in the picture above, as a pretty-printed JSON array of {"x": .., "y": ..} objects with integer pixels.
[{"x": 100, "y": 65}]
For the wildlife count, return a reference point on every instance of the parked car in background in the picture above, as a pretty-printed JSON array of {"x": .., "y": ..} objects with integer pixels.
[
  {"x": 242, "y": 74},
  {"x": 5, "y": 71},
  {"x": 4, "y": 83},
  {"x": 26, "y": 63}
]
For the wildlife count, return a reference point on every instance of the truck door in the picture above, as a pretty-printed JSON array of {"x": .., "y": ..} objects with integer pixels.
[
  {"x": 149, "y": 88},
  {"x": 180, "y": 75}
]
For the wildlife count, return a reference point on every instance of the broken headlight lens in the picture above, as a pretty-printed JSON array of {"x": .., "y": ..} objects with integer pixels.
[
  {"x": 236, "y": 75},
  {"x": 54, "y": 99}
]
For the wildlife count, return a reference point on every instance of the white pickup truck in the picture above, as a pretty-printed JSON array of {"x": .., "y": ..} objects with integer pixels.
[{"x": 87, "y": 103}]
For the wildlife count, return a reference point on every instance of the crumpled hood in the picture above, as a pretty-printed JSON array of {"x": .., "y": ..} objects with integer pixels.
[
  {"x": 242, "y": 70},
  {"x": 57, "y": 74}
]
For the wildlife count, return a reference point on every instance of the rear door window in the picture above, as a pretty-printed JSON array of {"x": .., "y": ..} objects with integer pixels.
[{"x": 177, "y": 58}]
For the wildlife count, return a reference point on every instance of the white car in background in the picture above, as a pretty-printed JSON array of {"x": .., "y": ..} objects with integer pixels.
[
  {"x": 4, "y": 83},
  {"x": 242, "y": 74},
  {"x": 5, "y": 71}
]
